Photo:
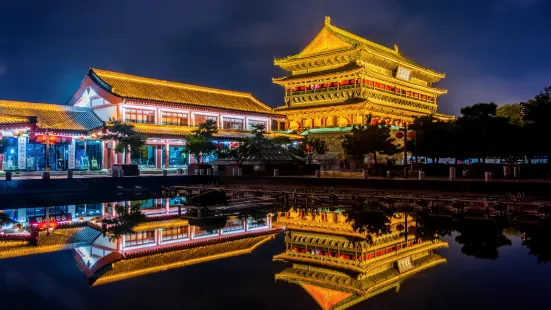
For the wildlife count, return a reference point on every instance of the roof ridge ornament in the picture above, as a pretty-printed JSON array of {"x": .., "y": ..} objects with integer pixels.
[
  {"x": 327, "y": 20},
  {"x": 396, "y": 48}
]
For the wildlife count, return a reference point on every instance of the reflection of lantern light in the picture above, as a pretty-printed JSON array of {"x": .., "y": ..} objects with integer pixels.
[{"x": 399, "y": 135}]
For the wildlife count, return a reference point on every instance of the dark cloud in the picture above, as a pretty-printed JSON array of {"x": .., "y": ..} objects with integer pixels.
[{"x": 494, "y": 50}]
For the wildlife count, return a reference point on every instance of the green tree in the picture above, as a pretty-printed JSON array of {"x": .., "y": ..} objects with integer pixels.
[
  {"x": 309, "y": 148},
  {"x": 247, "y": 148},
  {"x": 511, "y": 111},
  {"x": 200, "y": 142},
  {"x": 434, "y": 138},
  {"x": 536, "y": 118},
  {"x": 482, "y": 133},
  {"x": 369, "y": 139},
  {"x": 127, "y": 218},
  {"x": 128, "y": 140}
]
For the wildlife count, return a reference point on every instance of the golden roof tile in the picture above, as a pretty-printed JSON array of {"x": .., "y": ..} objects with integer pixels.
[
  {"x": 52, "y": 116},
  {"x": 136, "y": 87},
  {"x": 13, "y": 119},
  {"x": 358, "y": 42}
]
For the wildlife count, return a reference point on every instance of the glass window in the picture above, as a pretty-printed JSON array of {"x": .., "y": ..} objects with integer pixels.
[
  {"x": 139, "y": 116},
  {"x": 233, "y": 123},
  {"x": 145, "y": 158},
  {"x": 177, "y": 156},
  {"x": 9, "y": 158},
  {"x": 199, "y": 119},
  {"x": 174, "y": 118},
  {"x": 139, "y": 238},
  {"x": 88, "y": 155},
  {"x": 253, "y": 123},
  {"x": 175, "y": 233}
]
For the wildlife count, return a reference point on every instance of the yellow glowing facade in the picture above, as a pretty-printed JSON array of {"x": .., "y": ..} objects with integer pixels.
[{"x": 340, "y": 77}]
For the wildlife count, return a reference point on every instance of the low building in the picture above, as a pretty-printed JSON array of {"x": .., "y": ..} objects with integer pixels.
[{"x": 162, "y": 110}]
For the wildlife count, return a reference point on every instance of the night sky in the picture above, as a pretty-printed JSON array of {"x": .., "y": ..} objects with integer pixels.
[{"x": 491, "y": 50}]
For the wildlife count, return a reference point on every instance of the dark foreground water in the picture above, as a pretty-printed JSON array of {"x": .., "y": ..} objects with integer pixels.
[{"x": 514, "y": 280}]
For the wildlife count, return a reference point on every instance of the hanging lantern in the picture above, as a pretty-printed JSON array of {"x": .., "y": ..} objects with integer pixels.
[
  {"x": 94, "y": 136},
  {"x": 53, "y": 139},
  {"x": 41, "y": 225},
  {"x": 411, "y": 229},
  {"x": 411, "y": 134},
  {"x": 53, "y": 224},
  {"x": 399, "y": 135},
  {"x": 81, "y": 138},
  {"x": 41, "y": 138},
  {"x": 374, "y": 122},
  {"x": 16, "y": 134},
  {"x": 400, "y": 227}
]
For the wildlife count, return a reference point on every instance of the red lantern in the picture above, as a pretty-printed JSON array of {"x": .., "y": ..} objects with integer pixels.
[
  {"x": 374, "y": 122},
  {"x": 53, "y": 224},
  {"x": 41, "y": 225},
  {"x": 411, "y": 134},
  {"x": 411, "y": 229},
  {"x": 399, "y": 135},
  {"x": 400, "y": 227},
  {"x": 53, "y": 139},
  {"x": 41, "y": 138}
]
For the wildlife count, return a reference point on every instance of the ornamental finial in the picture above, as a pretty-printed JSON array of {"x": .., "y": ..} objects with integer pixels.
[
  {"x": 327, "y": 20},
  {"x": 396, "y": 48}
]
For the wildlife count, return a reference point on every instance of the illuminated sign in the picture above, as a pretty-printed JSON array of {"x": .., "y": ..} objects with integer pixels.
[
  {"x": 22, "y": 152},
  {"x": 403, "y": 74},
  {"x": 404, "y": 264},
  {"x": 60, "y": 218}
]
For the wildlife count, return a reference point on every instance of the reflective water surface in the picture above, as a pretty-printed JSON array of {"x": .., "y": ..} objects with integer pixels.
[{"x": 257, "y": 254}]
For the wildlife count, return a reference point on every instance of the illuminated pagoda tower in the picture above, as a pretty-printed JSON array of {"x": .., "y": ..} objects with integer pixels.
[
  {"x": 340, "y": 267},
  {"x": 339, "y": 78}
]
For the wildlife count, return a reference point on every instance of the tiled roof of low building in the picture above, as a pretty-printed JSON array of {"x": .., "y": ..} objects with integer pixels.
[
  {"x": 136, "y": 87},
  {"x": 52, "y": 116}
]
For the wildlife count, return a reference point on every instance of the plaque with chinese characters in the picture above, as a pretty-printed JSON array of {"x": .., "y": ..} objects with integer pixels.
[{"x": 403, "y": 74}]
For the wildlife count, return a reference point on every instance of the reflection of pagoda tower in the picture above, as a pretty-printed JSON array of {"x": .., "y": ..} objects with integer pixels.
[{"x": 339, "y": 267}]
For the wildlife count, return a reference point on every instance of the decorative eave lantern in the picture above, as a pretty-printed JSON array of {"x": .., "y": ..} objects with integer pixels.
[
  {"x": 399, "y": 135},
  {"x": 411, "y": 134}
]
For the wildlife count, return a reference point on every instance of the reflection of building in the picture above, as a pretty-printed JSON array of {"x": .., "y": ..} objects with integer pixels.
[
  {"x": 340, "y": 77},
  {"x": 339, "y": 267},
  {"x": 164, "y": 111},
  {"x": 163, "y": 242}
]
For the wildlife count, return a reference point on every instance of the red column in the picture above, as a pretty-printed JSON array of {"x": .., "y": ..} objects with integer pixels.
[{"x": 158, "y": 158}]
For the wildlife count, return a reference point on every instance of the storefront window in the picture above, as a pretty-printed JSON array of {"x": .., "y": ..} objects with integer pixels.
[
  {"x": 8, "y": 152},
  {"x": 145, "y": 158},
  {"x": 177, "y": 156},
  {"x": 203, "y": 118},
  {"x": 253, "y": 123},
  {"x": 36, "y": 157},
  {"x": 88, "y": 155},
  {"x": 173, "y": 118},
  {"x": 139, "y": 116},
  {"x": 233, "y": 123}
]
